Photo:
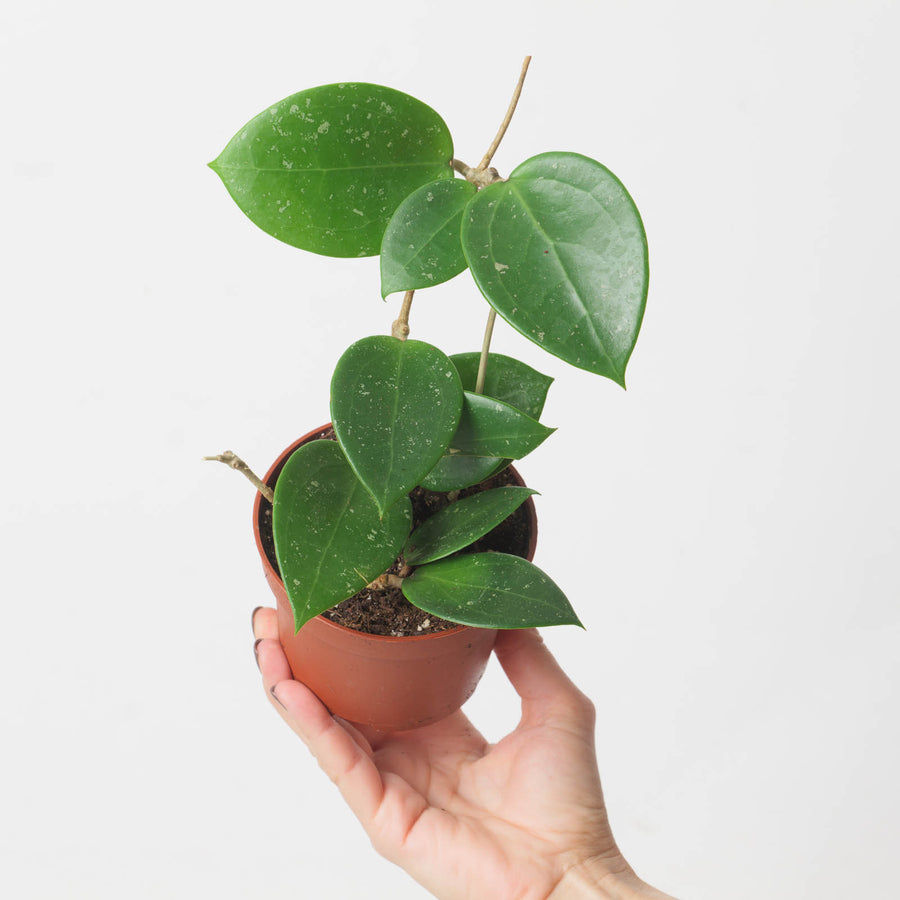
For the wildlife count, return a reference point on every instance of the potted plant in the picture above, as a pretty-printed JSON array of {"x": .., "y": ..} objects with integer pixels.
[{"x": 414, "y": 469}]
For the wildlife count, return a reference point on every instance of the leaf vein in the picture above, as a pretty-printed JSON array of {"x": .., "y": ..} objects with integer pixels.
[{"x": 586, "y": 314}]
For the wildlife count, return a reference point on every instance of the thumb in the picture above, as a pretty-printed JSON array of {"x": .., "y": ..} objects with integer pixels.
[{"x": 548, "y": 694}]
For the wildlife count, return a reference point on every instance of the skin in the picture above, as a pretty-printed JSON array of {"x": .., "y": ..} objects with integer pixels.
[{"x": 522, "y": 819}]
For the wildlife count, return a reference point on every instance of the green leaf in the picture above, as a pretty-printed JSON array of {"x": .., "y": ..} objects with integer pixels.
[
  {"x": 489, "y": 590},
  {"x": 394, "y": 405},
  {"x": 325, "y": 169},
  {"x": 458, "y": 525},
  {"x": 488, "y": 427},
  {"x": 559, "y": 251},
  {"x": 329, "y": 537},
  {"x": 421, "y": 245},
  {"x": 452, "y": 473},
  {"x": 506, "y": 379}
]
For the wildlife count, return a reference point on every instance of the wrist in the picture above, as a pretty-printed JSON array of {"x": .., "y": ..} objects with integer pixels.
[{"x": 604, "y": 879}]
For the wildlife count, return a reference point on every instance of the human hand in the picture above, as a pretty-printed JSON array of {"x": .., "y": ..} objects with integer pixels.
[{"x": 523, "y": 818}]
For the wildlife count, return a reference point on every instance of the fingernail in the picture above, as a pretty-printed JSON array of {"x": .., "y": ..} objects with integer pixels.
[
  {"x": 253, "y": 617},
  {"x": 256, "y": 644},
  {"x": 272, "y": 692}
]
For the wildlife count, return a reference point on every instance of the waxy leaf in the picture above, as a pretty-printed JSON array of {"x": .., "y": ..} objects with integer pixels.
[
  {"x": 394, "y": 405},
  {"x": 330, "y": 539},
  {"x": 488, "y": 427},
  {"x": 452, "y": 473},
  {"x": 559, "y": 251},
  {"x": 459, "y": 524},
  {"x": 421, "y": 245},
  {"x": 489, "y": 590},
  {"x": 325, "y": 169},
  {"x": 506, "y": 379}
]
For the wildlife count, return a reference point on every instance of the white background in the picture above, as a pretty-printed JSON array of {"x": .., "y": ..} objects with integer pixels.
[{"x": 731, "y": 541}]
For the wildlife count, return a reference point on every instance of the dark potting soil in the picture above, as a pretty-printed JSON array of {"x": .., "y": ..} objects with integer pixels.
[{"x": 386, "y": 611}]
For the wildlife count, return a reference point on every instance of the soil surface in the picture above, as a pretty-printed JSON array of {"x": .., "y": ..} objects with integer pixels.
[{"x": 386, "y": 611}]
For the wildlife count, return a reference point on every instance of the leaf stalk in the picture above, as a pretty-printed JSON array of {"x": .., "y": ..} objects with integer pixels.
[
  {"x": 485, "y": 349},
  {"x": 400, "y": 327},
  {"x": 494, "y": 176}
]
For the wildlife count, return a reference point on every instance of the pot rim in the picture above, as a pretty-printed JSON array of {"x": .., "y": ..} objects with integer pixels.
[{"x": 269, "y": 479}]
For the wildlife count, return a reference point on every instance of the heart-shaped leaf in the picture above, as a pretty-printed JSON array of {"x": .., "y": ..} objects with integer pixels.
[
  {"x": 489, "y": 590},
  {"x": 330, "y": 539},
  {"x": 488, "y": 427},
  {"x": 421, "y": 246},
  {"x": 559, "y": 251},
  {"x": 325, "y": 169},
  {"x": 506, "y": 379},
  {"x": 394, "y": 405},
  {"x": 459, "y": 524}
]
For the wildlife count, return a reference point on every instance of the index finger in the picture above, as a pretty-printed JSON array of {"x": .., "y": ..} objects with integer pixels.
[{"x": 265, "y": 623}]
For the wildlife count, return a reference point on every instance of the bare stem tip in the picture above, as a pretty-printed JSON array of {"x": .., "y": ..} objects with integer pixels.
[{"x": 233, "y": 461}]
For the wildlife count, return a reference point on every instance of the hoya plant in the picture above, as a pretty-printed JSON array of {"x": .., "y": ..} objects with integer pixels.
[{"x": 557, "y": 249}]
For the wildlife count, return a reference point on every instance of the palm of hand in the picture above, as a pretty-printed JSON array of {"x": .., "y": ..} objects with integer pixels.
[
  {"x": 505, "y": 817},
  {"x": 465, "y": 818}
]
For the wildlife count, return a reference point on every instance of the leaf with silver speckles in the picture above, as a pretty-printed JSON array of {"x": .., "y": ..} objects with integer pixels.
[
  {"x": 395, "y": 405},
  {"x": 488, "y": 427},
  {"x": 421, "y": 246},
  {"x": 330, "y": 538},
  {"x": 459, "y": 524},
  {"x": 508, "y": 380},
  {"x": 489, "y": 590},
  {"x": 559, "y": 251},
  {"x": 325, "y": 169}
]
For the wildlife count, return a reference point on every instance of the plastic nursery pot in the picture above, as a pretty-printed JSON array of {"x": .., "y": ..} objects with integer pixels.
[{"x": 389, "y": 683}]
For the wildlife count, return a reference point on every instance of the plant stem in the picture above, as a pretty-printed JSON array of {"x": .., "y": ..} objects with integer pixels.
[
  {"x": 400, "y": 328},
  {"x": 478, "y": 179},
  {"x": 485, "y": 348},
  {"x": 486, "y": 159},
  {"x": 385, "y": 581},
  {"x": 235, "y": 462}
]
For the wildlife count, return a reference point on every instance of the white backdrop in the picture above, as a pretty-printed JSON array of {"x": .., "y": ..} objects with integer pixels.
[{"x": 733, "y": 553}]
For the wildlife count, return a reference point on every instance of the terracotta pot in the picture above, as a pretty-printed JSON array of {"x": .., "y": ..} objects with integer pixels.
[{"x": 390, "y": 683}]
